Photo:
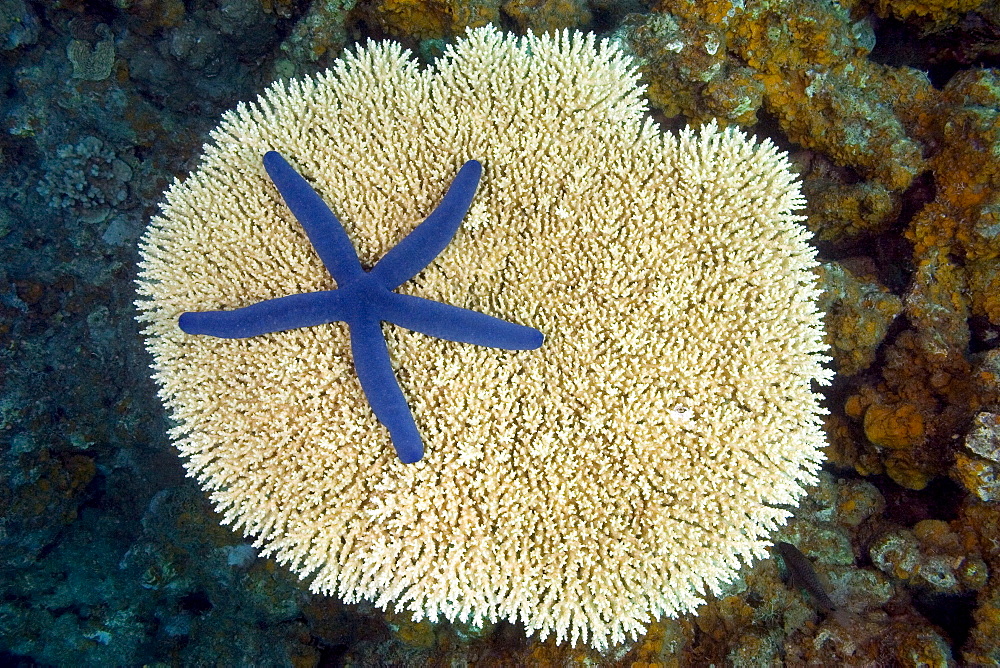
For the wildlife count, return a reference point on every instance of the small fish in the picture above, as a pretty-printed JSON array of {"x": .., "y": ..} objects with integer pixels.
[{"x": 802, "y": 575}]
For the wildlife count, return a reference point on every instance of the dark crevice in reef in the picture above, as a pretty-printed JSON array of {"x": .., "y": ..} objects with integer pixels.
[
  {"x": 768, "y": 126},
  {"x": 972, "y": 42},
  {"x": 951, "y": 612},
  {"x": 940, "y": 500},
  {"x": 985, "y": 336}
]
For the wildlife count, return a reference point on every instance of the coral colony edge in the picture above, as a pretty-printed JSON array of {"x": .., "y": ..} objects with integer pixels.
[
  {"x": 364, "y": 299},
  {"x": 610, "y": 476}
]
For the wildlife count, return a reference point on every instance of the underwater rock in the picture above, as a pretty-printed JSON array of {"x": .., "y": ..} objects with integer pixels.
[
  {"x": 984, "y": 436},
  {"x": 843, "y": 210},
  {"x": 318, "y": 35},
  {"x": 18, "y": 25}
]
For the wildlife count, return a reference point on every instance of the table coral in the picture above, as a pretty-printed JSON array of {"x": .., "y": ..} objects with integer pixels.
[
  {"x": 365, "y": 299},
  {"x": 629, "y": 430}
]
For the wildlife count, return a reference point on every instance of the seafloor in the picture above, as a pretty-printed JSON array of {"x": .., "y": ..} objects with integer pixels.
[{"x": 109, "y": 556}]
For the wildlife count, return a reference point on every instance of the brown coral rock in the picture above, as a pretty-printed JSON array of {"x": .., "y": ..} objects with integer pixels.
[
  {"x": 925, "y": 11},
  {"x": 842, "y": 209},
  {"x": 984, "y": 437},
  {"x": 979, "y": 471},
  {"x": 320, "y": 32},
  {"x": 979, "y": 476},
  {"x": 898, "y": 426},
  {"x": 805, "y": 62},
  {"x": 826, "y": 94},
  {"x": 431, "y": 19},
  {"x": 545, "y": 15},
  {"x": 857, "y": 316},
  {"x": 689, "y": 70}
]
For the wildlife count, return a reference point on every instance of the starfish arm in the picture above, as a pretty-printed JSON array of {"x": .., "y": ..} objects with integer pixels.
[
  {"x": 322, "y": 227},
  {"x": 430, "y": 237},
  {"x": 453, "y": 323},
  {"x": 371, "y": 361},
  {"x": 273, "y": 315}
]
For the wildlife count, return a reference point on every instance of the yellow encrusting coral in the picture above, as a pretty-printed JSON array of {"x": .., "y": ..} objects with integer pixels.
[
  {"x": 937, "y": 11},
  {"x": 894, "y": 426},
  {"x": 610, "y": 478}
]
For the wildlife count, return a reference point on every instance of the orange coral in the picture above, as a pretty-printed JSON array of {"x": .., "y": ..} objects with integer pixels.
[
  {"x": 964, "y": 218},
  {"x": 984, "y": 288},
  {"x": 965, "y": 214},
  {"x": 826, "y": 94},
  {"x": 419, "y": 635},
  {"x": 658, "y": 648},
  {"x": 421, "y": 19},
  {"x": 840, "y": 210},
  {"x": 688, "y": 70},
  {"x": 979, "y": 525},
  {"x": 935, "y": 384}
]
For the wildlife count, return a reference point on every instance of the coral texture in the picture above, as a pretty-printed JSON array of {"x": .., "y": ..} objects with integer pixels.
[
  {"x": 611, "y": 477},
  {"x": 804, "y": 62},
  {"x": 858, "y": 314}
]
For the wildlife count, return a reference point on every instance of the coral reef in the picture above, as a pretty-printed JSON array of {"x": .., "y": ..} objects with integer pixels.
[
  {"x": 317, "y": 38},
  {"x": 804, "y": 64},
  {"x": 843, "y": 210},
  {"x": 926, "y": 11},
  {"x": 18, "y": 25},
  {"x": 858, "y": 315},
  {"x": 109, "y": 557},
  {"x": 431, "y": 19},
  {"x": 547, "y": 15},
  {"x": 86, "y": 177}
]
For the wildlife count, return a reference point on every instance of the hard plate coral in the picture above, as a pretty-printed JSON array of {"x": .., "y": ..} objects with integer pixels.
[{"x": 610, "y": 477}]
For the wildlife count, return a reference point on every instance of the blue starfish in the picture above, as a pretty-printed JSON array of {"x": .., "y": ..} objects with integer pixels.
[{"x": 363, "y": 299}]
